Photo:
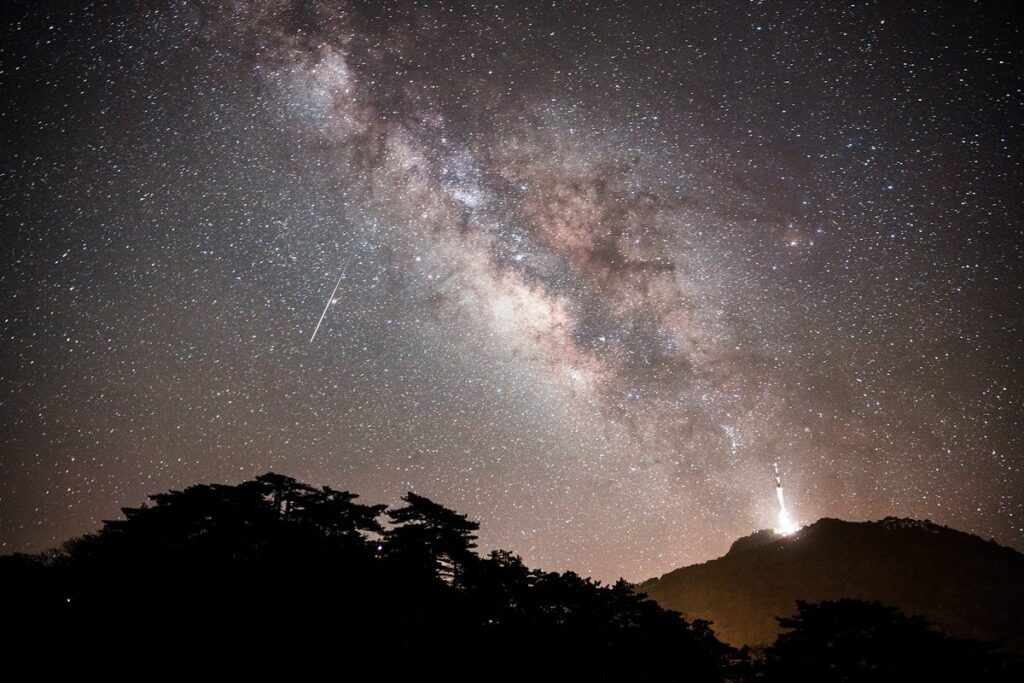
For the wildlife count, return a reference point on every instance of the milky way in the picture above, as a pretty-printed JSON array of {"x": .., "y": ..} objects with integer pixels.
[{"x": 598, "y": 265}]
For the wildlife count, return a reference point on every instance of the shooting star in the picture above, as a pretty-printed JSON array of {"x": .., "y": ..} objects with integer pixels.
[{"x": 330, "y": 299}]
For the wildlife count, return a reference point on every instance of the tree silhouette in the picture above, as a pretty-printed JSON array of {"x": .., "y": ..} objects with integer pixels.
[
  {"x": 431, "y": 538},
  {"x": 276, "y": 579},
  {"x": 854, "y": 640},
  {"x": 211, "y": 519},
  {"x": 280, "y": 491},
  {"x": 334, "y": 513}
]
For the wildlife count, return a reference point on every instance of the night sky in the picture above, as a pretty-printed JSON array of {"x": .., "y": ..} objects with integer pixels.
[{"x": 599, "y": 265}]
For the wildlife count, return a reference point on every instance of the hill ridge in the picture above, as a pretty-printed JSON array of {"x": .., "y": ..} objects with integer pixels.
[{"x": 966, "y": 585}]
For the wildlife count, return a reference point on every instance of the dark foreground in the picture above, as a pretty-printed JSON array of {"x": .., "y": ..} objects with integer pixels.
[{"x": 274, "y": 579}]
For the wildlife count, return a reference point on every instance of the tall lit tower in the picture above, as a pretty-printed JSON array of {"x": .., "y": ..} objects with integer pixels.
[{"x": 786, "y": 523}]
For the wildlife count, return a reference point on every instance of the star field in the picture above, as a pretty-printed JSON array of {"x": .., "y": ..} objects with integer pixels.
[{"x": 599, "y": 265}]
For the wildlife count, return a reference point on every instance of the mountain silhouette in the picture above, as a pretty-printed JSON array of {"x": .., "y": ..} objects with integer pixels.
[
  {"x": 966, "y": 586},
  {"x": 275, "y": 579}
]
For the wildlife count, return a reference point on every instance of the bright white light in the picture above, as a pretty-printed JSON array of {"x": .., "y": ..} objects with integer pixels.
[{"x": 787, "y": 524}]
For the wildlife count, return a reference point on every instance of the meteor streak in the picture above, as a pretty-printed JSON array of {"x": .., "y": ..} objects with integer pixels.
[{"x": 330, "y": 300}]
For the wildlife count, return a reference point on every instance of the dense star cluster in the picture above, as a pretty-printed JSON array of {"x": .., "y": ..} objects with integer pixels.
[{"x": 598, "y": 265}]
